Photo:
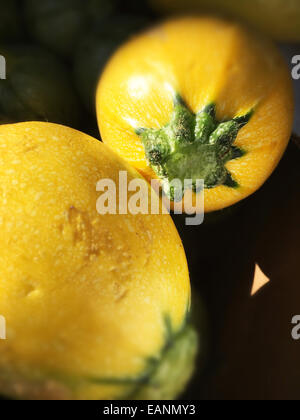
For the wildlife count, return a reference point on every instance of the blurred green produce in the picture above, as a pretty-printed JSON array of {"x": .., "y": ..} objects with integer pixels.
[
  {"x": 174, "y": 371},
  {"x": 96, "y": 48},
  {"x": 37, "y": 88},
  {"x": 10, "y": 21},
  {"x": 136, "y": 6},
  {"x": 60, "y": 24}
]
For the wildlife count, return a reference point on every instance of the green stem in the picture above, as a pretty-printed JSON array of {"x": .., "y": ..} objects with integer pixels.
[{"x": 193, "y": 147}]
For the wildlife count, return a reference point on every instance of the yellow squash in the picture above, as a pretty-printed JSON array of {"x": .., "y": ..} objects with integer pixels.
[
  {"x": 198, "y": 98},
  {"x": 278, "y": 18},
  {"x": 95, "y": 305}
]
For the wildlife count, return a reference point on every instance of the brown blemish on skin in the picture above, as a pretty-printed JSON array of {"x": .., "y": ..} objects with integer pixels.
[
  {"x": 80, "y": 229},
  {"x": 29, "y": 289},
  {"x": 29, "y": 149},
  {"x": 120, "y": 292},
  {"x": 29, "y": 144}
]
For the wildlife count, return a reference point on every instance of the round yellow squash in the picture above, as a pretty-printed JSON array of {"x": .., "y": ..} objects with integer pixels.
[
  {"x": 278, "y": 18},
  {"x": 95, "y": 305},
  {"x": 198, "y": 98}
]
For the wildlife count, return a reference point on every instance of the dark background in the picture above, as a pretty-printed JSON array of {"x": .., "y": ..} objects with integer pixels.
[{"x": 246, "y": 347}]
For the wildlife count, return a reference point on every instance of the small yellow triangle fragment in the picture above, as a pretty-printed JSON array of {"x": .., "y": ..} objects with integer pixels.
[{"x": 259, "y": 281}]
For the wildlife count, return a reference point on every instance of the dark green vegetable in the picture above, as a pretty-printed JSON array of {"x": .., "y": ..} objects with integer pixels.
[
  {"x": 10, "y": 25},
  {"x": 96, "y": 48},
  {"x": 37, "y": 88},
  {"x": 60, "y": 24}
]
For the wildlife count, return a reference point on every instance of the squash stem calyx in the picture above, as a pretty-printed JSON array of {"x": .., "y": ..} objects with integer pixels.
[{"x": 193, "y": 147}]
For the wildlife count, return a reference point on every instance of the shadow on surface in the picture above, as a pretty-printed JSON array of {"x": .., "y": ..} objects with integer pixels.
[{"x": 252, "y": 354}]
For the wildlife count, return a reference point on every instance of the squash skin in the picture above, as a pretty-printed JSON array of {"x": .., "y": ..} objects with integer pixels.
[
  {"x": 37, "y": 88},
  {"x": 60, "y": 24},
  {"x": 204, "y": 60},
  {"x": 278, "y": 18},
  {"x": 73, "y": 281}
]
